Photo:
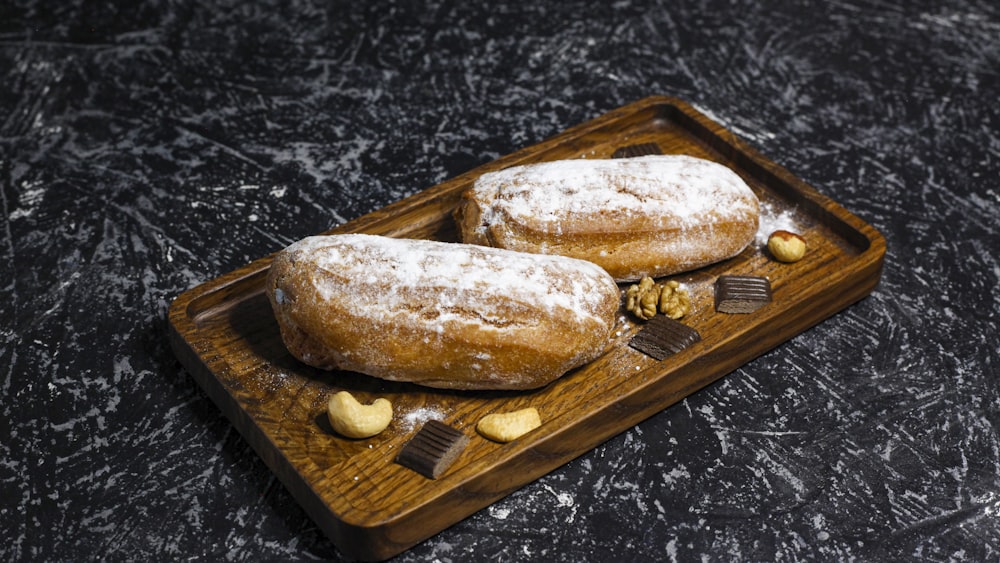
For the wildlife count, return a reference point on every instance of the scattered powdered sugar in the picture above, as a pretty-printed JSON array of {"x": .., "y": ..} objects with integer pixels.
[
  {"x": 772, "y": 220},
  {"x": 418, "y": 417}
]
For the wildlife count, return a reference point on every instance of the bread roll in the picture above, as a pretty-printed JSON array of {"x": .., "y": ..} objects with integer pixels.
[
  {"x": 445, "y": 315},
  {"x": 645, "y": 216}
]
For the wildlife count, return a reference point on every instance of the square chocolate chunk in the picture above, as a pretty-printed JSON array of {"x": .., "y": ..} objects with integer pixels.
[
  {"x": 741, "y": 294},
  {"x": 433, "y": 449},
  {"x": 640, "y": 149},
  {"x": 662, "y": 336}
]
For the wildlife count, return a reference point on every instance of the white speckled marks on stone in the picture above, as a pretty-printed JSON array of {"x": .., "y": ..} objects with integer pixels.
[{"x": 130, "y": 139}]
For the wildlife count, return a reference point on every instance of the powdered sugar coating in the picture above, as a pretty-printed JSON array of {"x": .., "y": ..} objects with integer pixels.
[
  {"x": 667, "y": 190},
  {"x": 382, "y": 274}
]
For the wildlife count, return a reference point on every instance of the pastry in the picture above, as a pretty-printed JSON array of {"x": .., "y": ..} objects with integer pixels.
[
  {"x": 445, "y": 315},
  {"x": 652, "y": 215}
]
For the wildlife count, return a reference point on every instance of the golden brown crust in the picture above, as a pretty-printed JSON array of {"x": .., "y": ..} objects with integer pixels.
[
  {"x": 646, "y": 216},
  {"x": 439, "y": 314}
]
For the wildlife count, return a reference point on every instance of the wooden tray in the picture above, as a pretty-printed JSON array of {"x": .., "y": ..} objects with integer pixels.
[{"x": 223, "y": 331}]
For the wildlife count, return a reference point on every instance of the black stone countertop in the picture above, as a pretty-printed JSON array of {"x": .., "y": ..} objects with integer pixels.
[{"x": 146, "y": 149}]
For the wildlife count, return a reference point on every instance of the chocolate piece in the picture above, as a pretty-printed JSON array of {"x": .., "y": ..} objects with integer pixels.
[
  {"x": 741, "y": 294},
  {"x": 432, "y": 449},
  {"x": 663, "y": 336},
  {"x": 641, "y": 149}
]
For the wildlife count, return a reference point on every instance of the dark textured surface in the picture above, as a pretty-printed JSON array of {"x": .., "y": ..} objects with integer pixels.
[{"x": 146, "y": 149}]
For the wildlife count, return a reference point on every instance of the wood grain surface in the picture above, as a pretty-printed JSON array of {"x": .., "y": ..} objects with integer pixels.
[{"x": 224, "y": 333}]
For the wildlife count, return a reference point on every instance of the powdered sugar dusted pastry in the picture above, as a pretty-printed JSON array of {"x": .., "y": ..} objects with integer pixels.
[
  {"x": 645, "y": 216},
  {"x": 446, "y": 315}
]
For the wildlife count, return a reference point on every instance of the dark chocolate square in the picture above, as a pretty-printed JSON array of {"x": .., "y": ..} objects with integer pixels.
[
  {"x": 662, "y": 336},
  {"x": 640, "y": 149},
  {"x": 741, "y": 294},
  {"x": 433, "y": 449}
]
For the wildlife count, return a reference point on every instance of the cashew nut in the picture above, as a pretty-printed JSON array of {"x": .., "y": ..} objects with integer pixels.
[
  {"x": 505, "y": 427},
  {"x": 354, "y": 420}
]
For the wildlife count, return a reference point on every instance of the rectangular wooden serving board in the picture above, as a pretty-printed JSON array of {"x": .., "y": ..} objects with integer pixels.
[{"x": 372, "y": 508}]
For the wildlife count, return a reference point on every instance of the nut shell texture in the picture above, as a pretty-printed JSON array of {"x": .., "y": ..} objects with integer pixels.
[{"x": 786, "y": 246}]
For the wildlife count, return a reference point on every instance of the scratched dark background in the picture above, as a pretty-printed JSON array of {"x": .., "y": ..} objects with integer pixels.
[{"x": 147, "y": 148}]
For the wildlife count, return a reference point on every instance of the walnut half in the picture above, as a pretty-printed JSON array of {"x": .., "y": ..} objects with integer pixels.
[
  {"x": 675, "y": 301},
  {"x": 647, "y": 297},
  {"x": 642, "y": 299}
]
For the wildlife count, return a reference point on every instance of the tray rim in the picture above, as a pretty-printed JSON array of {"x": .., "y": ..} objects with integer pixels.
[{"x": 184, "y": 312}]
